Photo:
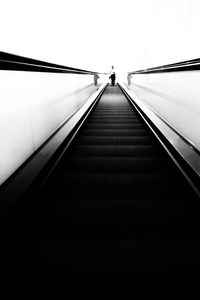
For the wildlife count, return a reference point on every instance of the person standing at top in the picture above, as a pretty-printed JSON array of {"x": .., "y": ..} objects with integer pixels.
[{"x": 112, "y": 77}]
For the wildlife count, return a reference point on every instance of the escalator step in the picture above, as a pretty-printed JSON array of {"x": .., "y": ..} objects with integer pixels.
[
  {"x": 119, "y": 164},
  {"x": 130, "y": 186},
  {"x": 116, "y": 140},
  {"x": 114, "y": 132},
  {"x": 114, "y": 150},
  {"x": 115, "y": 126},
  {"x": 114, "y": 202}
]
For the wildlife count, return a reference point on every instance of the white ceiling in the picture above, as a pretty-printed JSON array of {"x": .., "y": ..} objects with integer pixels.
[{"x": 91, "y": 34}]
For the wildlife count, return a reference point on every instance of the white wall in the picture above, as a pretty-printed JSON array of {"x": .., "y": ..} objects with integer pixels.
[
  {"x": 175, "y": 97},
  {"x": 93, "y": 35},
  {"x": 32, "y": 106}
]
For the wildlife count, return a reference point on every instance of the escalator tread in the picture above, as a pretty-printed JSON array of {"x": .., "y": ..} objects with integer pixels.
[{"x": 114, "y": 188}]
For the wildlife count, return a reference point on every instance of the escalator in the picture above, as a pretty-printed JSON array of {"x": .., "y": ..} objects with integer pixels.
[{"x": 115, "y": 203}]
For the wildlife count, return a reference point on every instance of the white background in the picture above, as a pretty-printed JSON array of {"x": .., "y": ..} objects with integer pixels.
[{"x": 91, "y": 34}]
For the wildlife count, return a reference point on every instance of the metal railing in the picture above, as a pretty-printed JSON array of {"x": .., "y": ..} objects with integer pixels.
[
  {"x": 188, "y": 65},
  {"x": 14, "y": 62}
]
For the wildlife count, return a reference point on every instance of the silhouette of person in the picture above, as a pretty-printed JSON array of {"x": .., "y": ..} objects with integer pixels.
[
  {"x": 96, "y": 77},
  {"x": 112, "y": 77}
]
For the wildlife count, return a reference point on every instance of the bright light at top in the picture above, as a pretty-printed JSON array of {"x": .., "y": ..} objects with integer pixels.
[{"x": 91, "y": 34}]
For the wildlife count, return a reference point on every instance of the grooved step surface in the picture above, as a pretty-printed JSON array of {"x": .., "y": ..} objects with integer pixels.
[
  {"x": 114, "y": 150},
  {"x": 115, "y": 202}
]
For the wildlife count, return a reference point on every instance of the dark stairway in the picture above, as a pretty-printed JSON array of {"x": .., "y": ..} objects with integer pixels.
[{"x": 115, "y": 203}]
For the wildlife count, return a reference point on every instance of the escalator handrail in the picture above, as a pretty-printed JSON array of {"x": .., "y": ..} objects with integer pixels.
[
  {"x": 188, "y": 65},
  {"x": 12, "y": 62}
]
